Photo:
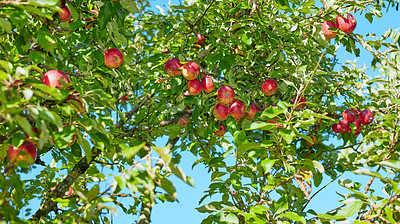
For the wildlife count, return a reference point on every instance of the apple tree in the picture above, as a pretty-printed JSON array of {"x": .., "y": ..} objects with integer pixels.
[{"x": 254, "y": 89}]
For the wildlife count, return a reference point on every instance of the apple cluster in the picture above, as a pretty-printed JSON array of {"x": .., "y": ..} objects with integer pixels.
[
  {"x": 356, "y": 117},
  {"x": 347, "y": 25}
]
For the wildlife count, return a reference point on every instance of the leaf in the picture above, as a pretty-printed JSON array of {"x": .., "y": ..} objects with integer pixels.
[
  {"x": 294, "y": 216},
  {"x": 129, "y": 152},
  {"x": 349, "y": 210},
  {"x": 6, "y": 25},
  {"x": 24, "y": 124},
  {"x": 168, "y": 187},
  {"x": 267, "y": 164},
  {"x": 318, "y": 166},
  {"x": 179, "y": 173},
  {"x": 391, "y": 163},
  {"x": 105, "y": 15},
  {"x": 210, "y": 208},
  {"x": 247, "y": 146},
  {"x": 85, "y": 145},
  {"x": 121, "y": 183},
  {"x": 92, "y": 194},
  {"x": 272, "y": 112}
]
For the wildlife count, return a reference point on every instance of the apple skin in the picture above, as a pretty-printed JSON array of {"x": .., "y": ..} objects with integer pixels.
[
  {"x": 269, "y": 87},
  {"x": 190, "y": 70},
  {"x": 335, "y": 129},
  {"x": 201, "y": 38},
  {"x": 311, "y": 144},
  {"x": 208, "y": 84},
  {"x": 113, "y": 58},
  {"x": 51, "y": 78},
  {"x": 221, "y": 112},
  {"x": 173, "y": 67},
  {"x": 194, "y": 87},
  {"x": 366, "y": 117},
  {"x": 65, "y": 14},
  {"x": 29, "y": 155},
  {"x": 237, "y": 109},
  {"x": 221, "y": 131},
  {"x": 346, "y": 25},
  {"x": 329, "y": 34},
  {"x": 349, "y": 115},
  {"x": 252, "y": 112},
  {"x": 125, "y": 98},
  {"x": 225, "y": 94},
  {"x": 301, "y": 103},
  {"x": 183, "y": 121},
  {"x": 343, "y": 126}
]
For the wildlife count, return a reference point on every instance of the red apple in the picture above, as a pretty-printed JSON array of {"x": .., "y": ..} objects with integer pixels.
[
  {"x": 198, "y": 45},
  {"x": 346, "y": 25},
  {"x": 343, "y": 126},
  {"x": 183, "y": 121},
  {"x": 335, "y": 128},
  {"x": 69, "y": 191},
  {"x": 269, "y": 87},
  {"x": 225, "y": 94},
  {"x": 25, "y": 154},
  {"x": 201, "y": 38},
  {"x": 221, "y": 131},
  {"x": 237, "y": 109},
  {"x": 51, "y": 78},
  {"x": 208, "y": 85},
  {"x": 221, "y": 112},
  {"x": 329, "y": 34},
  {"x": 65, "y": 14},
  {"x": 124, "y": 98},
  {"x": 252, "y": 112},
  {"x": 95, "y": 12},
  {"x": 113, "y": 58},
  {"x": 173, "y": 67},
  {"x": 194, "y": 87},
  {"x": 190, "y": 70},
  {"x": 349, "y": 115},
  {"x": 366, "y": 117},
  {"x": 301, "y": 103}
]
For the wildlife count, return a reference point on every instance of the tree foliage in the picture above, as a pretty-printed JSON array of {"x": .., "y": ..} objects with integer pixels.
[{"x": 107, "y": 121}]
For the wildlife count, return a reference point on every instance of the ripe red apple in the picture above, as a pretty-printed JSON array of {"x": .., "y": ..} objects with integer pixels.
[
  {"x": 237, "y": 109},
  {"x": 194, "y": 87},
  {"x": 221, "y": 112},
  {"x": 65, "y": 14},
  {"x": 343, "y": 126},
  {"x": 113, "y": 58},
  {"x": 366, "y": 117},
  {"x": 221, "y": 131},
  {"x": 349, "y": 115},
  {"x": 183, "y": 121},
  {"x": 198, "y": 45},
  {"x": 51, "y": 78},
  {"x": 190, "y": 70},
  {"x": 269, "y": 87},
  {"x": 201, "y": 38},
  {"x": 124, "y": 98},
  {"x": 329, "y": 34},
  {"x": 208, "y": 85},
  {"x": 225, "y": 94},
  {"x": 335, "y": 128},
  {"x": 252, "y": 112},
  {"x": 301, "y": 103},
  {"x": 173, "y": 67},
  {"x": 346, "y": 25},
  {"x": 25, "y": 154},
  {"x": 311, "y": 144}
]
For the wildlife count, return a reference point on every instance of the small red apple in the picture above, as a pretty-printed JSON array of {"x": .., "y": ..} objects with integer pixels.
[
  {"x": 225, "y": 94},
  {"x": 301, "y": 103},
  {"x": 237, "y": 109},
  {"x": 221, "y": 112},
  {"x": 346, "y": 25},
  {"x": 201, "y": 38},
  {"x": 329, "y": 34},
  {"x": 173, "y": 67},
  {"x": 221, "y": 131},
  {"x": 198, "y": 45},
  {"x": 252, "y": 112},
  {"x": 269, "y": 87},
  {"x": 335, "y": 128},
  {"x": 51, "y": 78},
  {"x": 65, "y": 14},
  {"x": 366, "y": 117},
  {"x": 124, "y": 98},
  {"x": 349, "y": 115},
  {"x": 24, "y": 154},
  {"x": 113, "y": 58},
  {"x": 183, "y": 121},
  {"x": 190, "y": 70},
  {"x": 208, "y": 85},
  {"x": 194, "y": 87},
  {"x": 343, "y": 126}
]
